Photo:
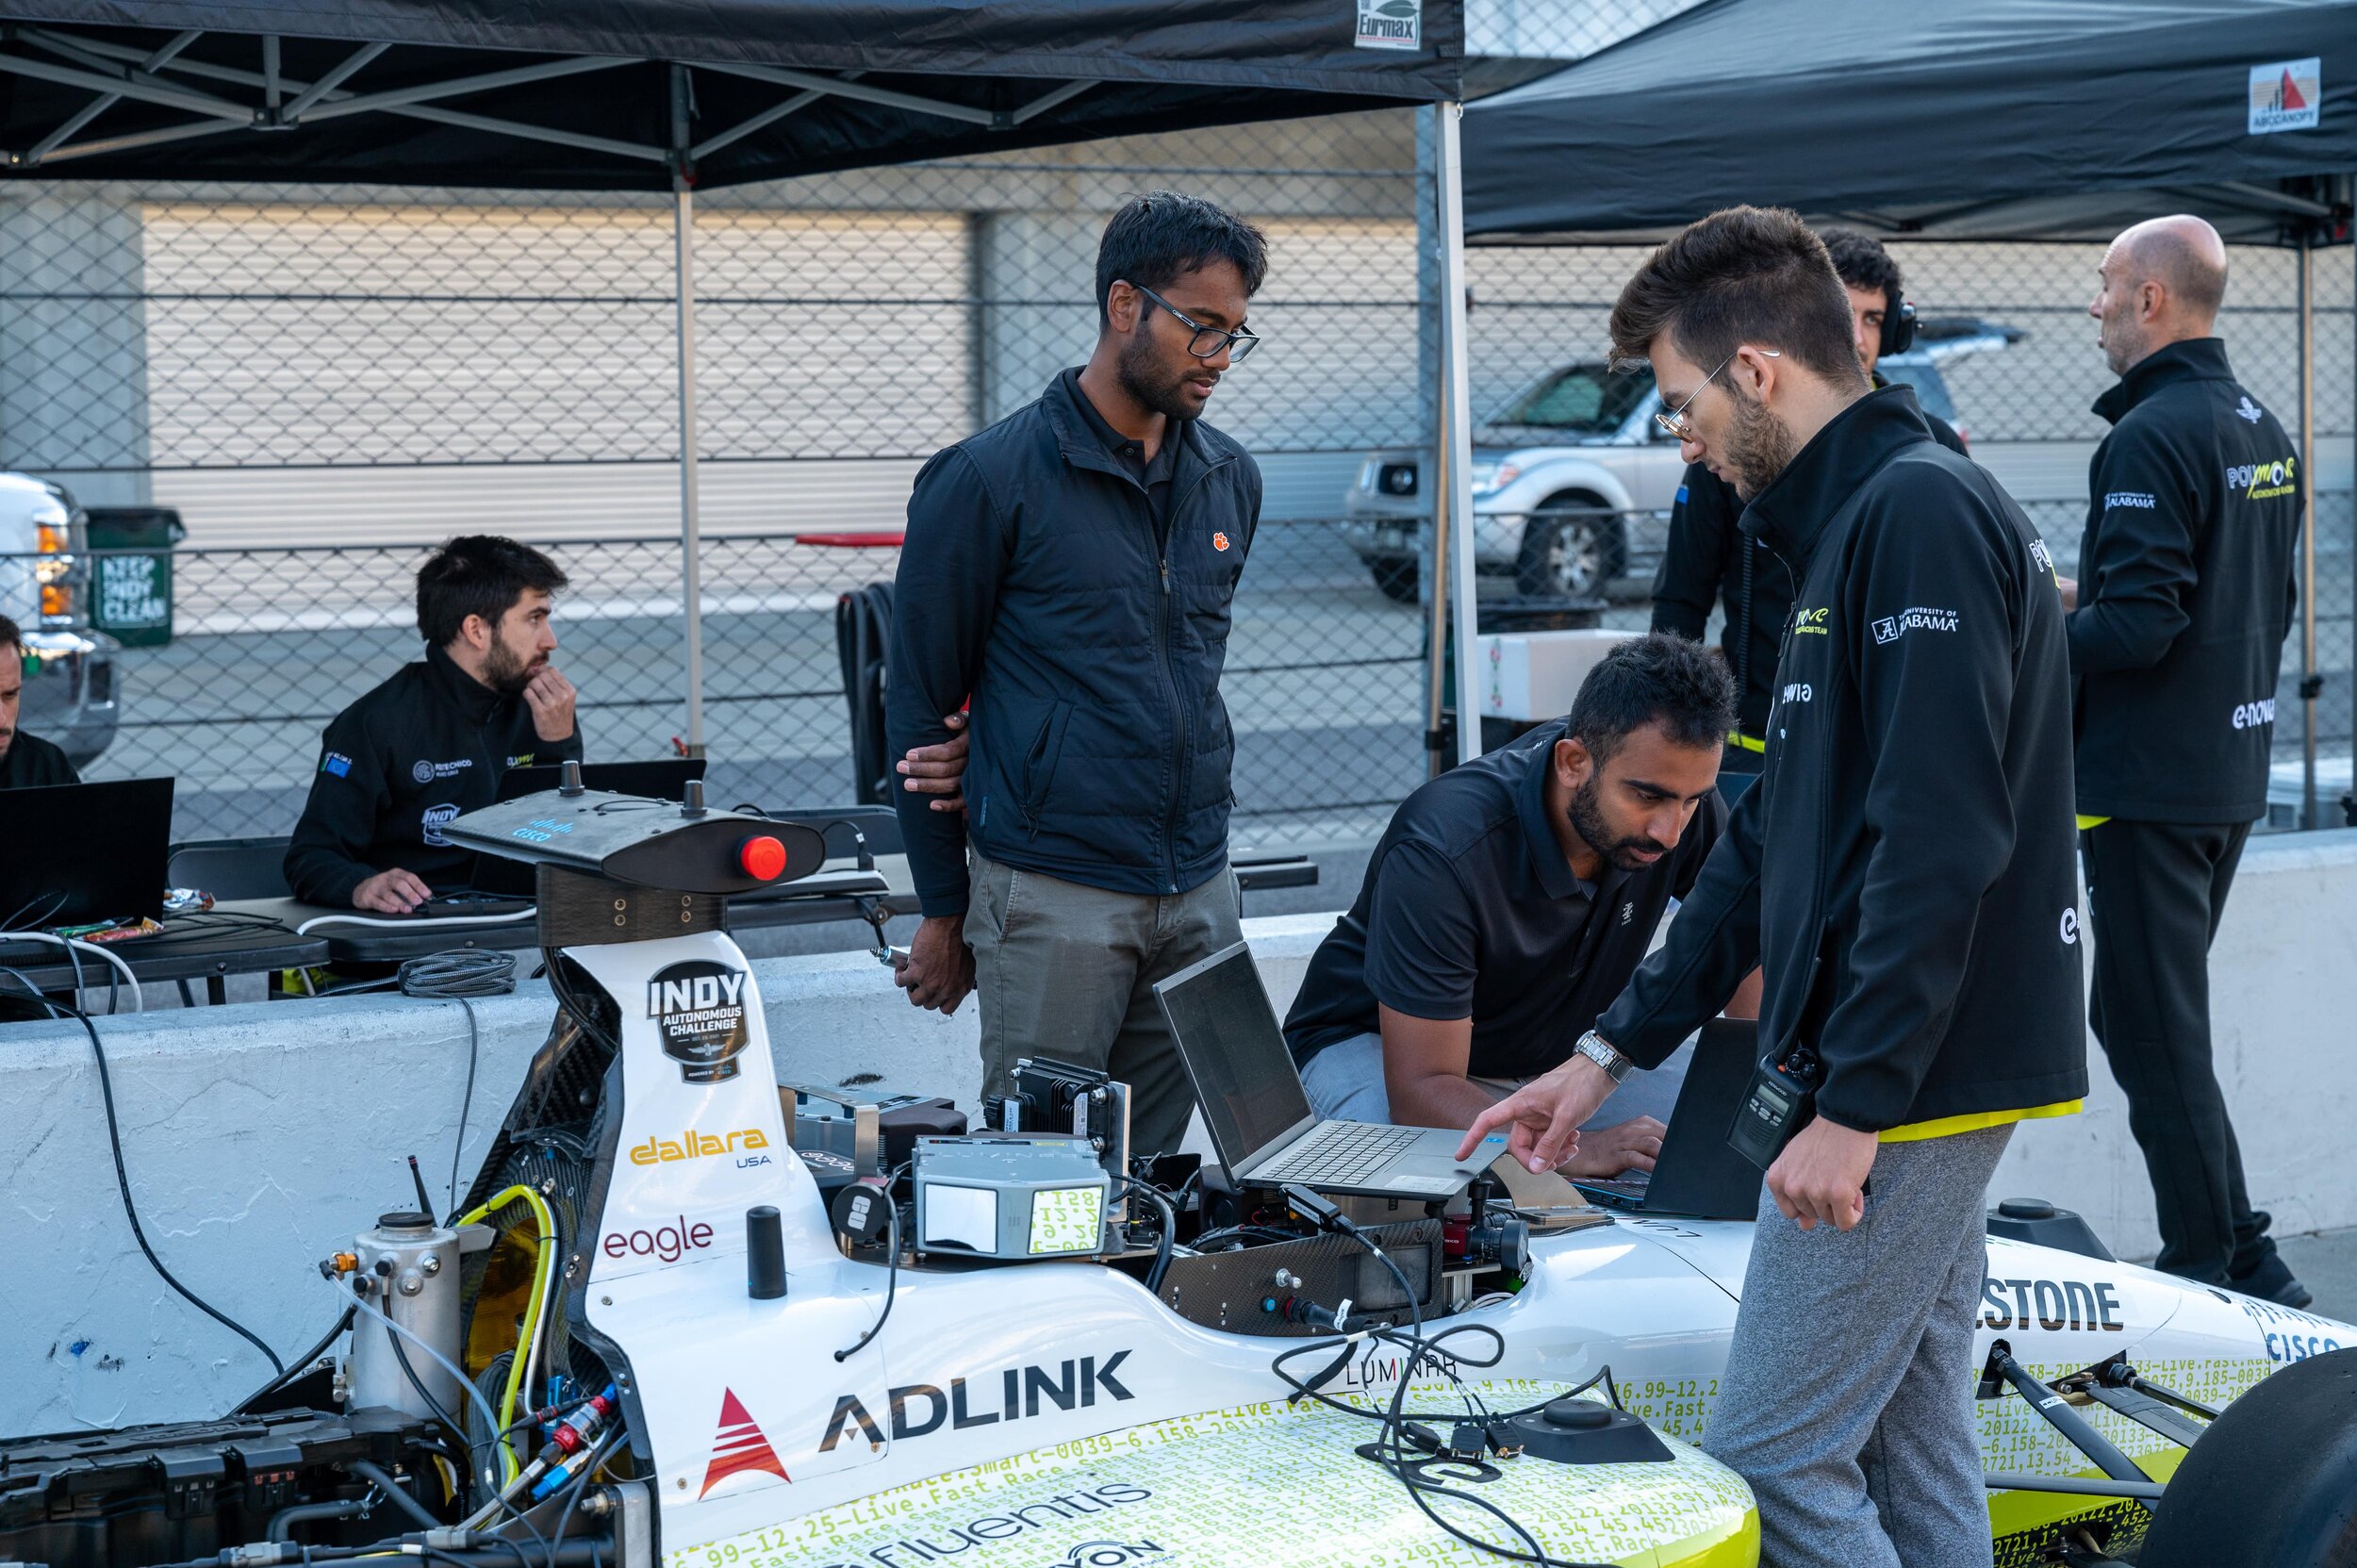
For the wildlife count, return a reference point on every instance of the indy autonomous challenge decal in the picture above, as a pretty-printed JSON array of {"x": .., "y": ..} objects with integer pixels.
[
  {"x": 1261, "y": 1483},
  {"x": 698, "y": 1006}
]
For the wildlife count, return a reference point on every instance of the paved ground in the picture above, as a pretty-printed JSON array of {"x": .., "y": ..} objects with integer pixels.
[{"x": 2327, "y": 1264}]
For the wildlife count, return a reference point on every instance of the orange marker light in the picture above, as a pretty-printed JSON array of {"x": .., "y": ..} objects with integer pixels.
[{"x": 763, "y": 858}]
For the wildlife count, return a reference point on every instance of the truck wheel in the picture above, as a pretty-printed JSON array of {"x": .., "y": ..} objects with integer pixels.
[
  {"x": 2274, "y": 1479},
  {"x": 1397, "y": 578},
  {"x": 1571, "y": 549}
]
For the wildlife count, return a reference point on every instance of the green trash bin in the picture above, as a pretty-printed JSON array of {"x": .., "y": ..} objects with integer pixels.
[{"x": 131, "y": 572}]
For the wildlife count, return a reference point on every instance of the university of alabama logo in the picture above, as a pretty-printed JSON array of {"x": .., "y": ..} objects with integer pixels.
[
  {"x": 738, "y": 1448},
  {"x": 1219, "y": 541}
]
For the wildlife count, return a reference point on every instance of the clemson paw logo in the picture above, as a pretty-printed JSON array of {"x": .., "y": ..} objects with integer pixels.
[{"x": 1219, "y": 541}]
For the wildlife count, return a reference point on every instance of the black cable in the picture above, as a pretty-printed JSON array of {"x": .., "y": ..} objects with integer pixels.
[
  {"x": 427, "y": 1395},
  {"x": 301, "y": 1364},
  {"x": 458, "y": 976},
  {"x": 892, "y": 1269},
  {"x": 579, "y": 1486},
  {"x": 1170, "y": 1227},
  {"x": 123, "y": 1177}
]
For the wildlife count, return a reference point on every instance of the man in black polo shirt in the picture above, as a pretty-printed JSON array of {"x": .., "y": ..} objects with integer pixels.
[
  {"x": 26, "y": 762},
  {"x": 1511, "y": 898}
]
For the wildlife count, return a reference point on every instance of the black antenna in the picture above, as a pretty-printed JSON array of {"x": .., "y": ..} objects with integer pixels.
[{"x": 425, "y": 1204}]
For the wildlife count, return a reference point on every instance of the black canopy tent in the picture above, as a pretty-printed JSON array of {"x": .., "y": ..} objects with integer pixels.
[
  {"x": 582, "y": 96},
  {"x": 670, "y": 95},
  {"x": 1970, "y": 119},
  {"x": 2039, "y": 120}
]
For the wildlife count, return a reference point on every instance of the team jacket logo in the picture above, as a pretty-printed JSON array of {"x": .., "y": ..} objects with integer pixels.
[
  {"x": 1891, "y": 628},
  {"x": 338, "y": 764},
  {"x": 921, "y": 1408},
  {"x": 2254, "y": 715},
  {"x": 2135, "y": 501},
  {"x": 1811, "y": 623},
  {"x": 699, "y": 1006},
  {"x": 739, "y": 1448},
  {"x": 1219, "y": 541},
  {"x": 434, "y": 820},
  {"x": 2265, "y": 480},
  {"x": 2250, "y": 410}
]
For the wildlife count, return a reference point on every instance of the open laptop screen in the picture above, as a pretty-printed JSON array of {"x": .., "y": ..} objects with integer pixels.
[
  {"x": 1235, "y": 1053},
  {"x": 80, "y": 854}
]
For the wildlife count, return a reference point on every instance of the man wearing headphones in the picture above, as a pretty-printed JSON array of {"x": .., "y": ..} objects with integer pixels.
[{"x": 1706, "y": 558}]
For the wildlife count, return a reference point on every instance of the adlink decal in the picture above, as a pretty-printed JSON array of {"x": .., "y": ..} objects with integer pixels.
[
  {"x": 1020, "y": 1521},
  {"x": 699, "y": 1006},
  {"x": 1012, "y": 1394},
  {"x": 2052, "y": 1304}
]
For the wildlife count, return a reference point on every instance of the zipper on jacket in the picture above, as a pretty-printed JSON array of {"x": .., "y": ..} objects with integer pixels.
[{"x": 1178, "y": 706}]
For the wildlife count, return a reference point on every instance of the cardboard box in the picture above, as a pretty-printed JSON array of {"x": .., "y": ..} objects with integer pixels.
[{"x": 1534, "y": 675}]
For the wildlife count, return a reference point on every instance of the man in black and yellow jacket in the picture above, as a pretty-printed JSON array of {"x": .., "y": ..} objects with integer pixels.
[
  {"x": 1902, "y": 872},
  {"x": 1707, "y": 560},
  {"x": 2184, "y": 595}
]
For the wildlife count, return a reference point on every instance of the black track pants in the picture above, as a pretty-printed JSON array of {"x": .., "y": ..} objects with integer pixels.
[{"x": 2157, "y": 890}]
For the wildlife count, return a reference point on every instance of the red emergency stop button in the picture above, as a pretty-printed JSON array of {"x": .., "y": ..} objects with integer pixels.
[{"x": 763, "y": 858}]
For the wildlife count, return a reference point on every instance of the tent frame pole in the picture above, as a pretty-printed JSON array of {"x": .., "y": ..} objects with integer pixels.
[
  {"x": 2308, "y": 683},
  {"x": 1455, "y": 587},
  {"x": 690, "y": 499}
]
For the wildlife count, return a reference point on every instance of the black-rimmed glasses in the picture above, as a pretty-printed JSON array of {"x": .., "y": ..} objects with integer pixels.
[
  {"x": 1208, "y": 340},
  {"x": 1674, "y": 423}
]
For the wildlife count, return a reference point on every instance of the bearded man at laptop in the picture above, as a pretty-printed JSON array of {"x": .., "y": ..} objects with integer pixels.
[{"x": 1511, "y": 898}]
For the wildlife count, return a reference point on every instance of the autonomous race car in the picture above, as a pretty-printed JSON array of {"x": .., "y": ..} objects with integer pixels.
[{"x": 685, "y": 1317}]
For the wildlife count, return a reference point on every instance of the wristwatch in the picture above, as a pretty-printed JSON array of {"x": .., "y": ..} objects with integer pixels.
[{"x": 1591, "y": 1046}]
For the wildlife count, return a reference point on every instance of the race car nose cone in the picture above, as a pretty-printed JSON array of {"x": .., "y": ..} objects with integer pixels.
[
  {"x": 763, "y": 858},
  {"x": 1577, "y": 1414}
]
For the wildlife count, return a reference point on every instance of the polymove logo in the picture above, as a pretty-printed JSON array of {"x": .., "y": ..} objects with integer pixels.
[
  {"x": 2285, "y": 96},
  {"x": 1390, "y": 25},
  {"x": 2265, "y": 480},
  {"x": 1812, "y": 622},
  {"x": 738, "y": 1448}
]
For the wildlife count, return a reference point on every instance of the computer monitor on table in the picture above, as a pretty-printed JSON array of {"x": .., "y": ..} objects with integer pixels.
[{"x": 80, "y": 854}]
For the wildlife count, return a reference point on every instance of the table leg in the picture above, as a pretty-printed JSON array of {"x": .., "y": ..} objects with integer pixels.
[{"x": 217, "y": 990}]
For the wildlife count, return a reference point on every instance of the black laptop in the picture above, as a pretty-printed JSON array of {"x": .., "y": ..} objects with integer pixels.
[
  {"x": 1259, "y": 1115},
  {"x": 1696, "y": 1175},
  {"x": 80, "y": 854}
]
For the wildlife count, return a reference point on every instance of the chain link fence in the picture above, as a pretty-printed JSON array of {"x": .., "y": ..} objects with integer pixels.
[
  {"x": 2006, "y": 353},
  {"x": 325, "y": 381}
]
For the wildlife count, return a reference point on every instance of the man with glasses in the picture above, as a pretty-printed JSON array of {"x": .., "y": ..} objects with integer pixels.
[
  {"x": 1071, "y": 570},
  {"x": 1707, "y": 560},
  {"x": 1904, "y": 873}
]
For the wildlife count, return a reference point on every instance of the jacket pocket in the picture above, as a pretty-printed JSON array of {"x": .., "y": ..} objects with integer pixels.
[{"x": 1039, "y": 764}]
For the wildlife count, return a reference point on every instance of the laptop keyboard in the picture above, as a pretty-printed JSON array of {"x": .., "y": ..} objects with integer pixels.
[{"x": 1339, "y": 1152}]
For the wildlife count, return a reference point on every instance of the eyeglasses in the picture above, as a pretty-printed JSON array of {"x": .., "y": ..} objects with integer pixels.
[
  {"x": 1674, "y": 423},
  {"x": 1208, "y": 340}
]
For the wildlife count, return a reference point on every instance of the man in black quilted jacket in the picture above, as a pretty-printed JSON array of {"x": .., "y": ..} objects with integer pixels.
[{"x": 1071, "y": 570}]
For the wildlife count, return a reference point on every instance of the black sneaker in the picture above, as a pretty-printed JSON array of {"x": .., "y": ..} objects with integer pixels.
[{"x": 2272, "y": 1280}]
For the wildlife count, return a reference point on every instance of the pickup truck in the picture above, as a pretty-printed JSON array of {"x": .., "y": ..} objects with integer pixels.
[
  {"x": 44, "y": 587},
  {"x": 1572, "y": 480}
]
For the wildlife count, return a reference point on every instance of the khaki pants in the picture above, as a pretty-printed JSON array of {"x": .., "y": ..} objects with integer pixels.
[{"x": 1068, "y": 972}]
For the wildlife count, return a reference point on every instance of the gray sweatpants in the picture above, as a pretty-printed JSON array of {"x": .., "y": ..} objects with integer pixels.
[
  {"x": 1068, "y": 972},
  {"x": 1847, "y": 1402}
]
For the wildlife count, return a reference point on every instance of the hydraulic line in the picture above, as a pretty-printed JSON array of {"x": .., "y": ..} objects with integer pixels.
[{"x": 526, "y": 1359}]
